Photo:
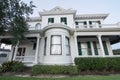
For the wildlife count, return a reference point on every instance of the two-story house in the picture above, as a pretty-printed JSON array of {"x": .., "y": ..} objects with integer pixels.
[{"x": 58, "y": 35}]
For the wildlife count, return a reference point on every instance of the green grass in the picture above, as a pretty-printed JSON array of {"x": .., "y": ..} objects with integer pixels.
[{"x": 112, "y": 77}]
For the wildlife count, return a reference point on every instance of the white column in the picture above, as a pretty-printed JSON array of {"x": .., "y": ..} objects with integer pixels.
[
  {"x": 101, "y": 45},
  {"x": 76, "y": 46},
  {"x": 92, "y": 48},
  {"x": 11, "y": 54},
  {"x": 88, "y": 26},
  {"x": 16, "y": 49},
  {"x": 37, "y": 50}
]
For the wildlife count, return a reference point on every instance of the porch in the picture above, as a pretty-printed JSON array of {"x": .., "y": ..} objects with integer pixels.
[
  {"x": 96, "y": 46},
  {"x": 27, "y": 51}
]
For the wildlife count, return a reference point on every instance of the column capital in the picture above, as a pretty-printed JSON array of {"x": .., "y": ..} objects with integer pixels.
[{"x": 99, "y": 35}]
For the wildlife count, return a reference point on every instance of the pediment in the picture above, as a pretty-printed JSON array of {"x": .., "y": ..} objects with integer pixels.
[{"x": 58, "y": 10}]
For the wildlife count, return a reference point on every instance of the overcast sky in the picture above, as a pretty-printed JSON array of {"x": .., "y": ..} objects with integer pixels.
[{"x": 82, "y": 6}]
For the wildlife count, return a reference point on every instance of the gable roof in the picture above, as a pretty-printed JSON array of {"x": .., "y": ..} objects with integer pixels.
[{"x": 57, "y": 10}]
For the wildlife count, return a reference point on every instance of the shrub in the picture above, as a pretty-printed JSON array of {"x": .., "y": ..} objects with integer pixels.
[
  {"x": 6, "y": 67},
  {"x": 54, "y": 69},
  {"x": 12, "y": 66},
  {"x": 98, "y": 63},
  {"x": 17, "y": 66}
]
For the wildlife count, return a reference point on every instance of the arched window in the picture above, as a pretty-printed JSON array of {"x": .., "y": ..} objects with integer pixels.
[{"x": 37, "y": 26}]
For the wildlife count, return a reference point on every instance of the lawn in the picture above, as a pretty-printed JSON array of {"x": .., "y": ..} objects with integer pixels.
[{"x": 112, "y": 77}]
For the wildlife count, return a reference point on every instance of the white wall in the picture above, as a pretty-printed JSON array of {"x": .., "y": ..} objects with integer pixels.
[
  {"x": 56, "y": 59},
  {"x": 70, "y": 21}
]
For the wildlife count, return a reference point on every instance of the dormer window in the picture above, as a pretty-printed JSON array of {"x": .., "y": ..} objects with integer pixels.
[
  {"x": 50, "y": 20},
  {"x": 64, "y": 20}
]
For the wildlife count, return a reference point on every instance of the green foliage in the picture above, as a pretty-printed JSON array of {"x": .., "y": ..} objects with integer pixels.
[
  {"x": 17, "y": 66},
  {"x": 12, "y": 66},
  {"x": 54, "y": 69},
  {"x": 98, "y": 63},
  {"x": 116, "y": 52},
  {"x": 13, "y": 17}
]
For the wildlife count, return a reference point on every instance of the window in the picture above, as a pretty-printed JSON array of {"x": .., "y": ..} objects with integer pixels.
[
  {"x": 3, "y": 55},
  {"x": 37, "y": 26},
  {"x": 76, "y": 23},
  {"x": 64, "y": 20},
  {"x": 105, "y": 48},
  {"x": 45, "y": 46},
  {"x": 56, "y": 45},
  {"x": 82, "y": 24},
  {"x": 90, "y": 23},
  {"x": 34, "y": 46},
  {"x": 67, "y": 45},
  {"x": 21, "y": 52},
  {"x": 50, "y": 20}
]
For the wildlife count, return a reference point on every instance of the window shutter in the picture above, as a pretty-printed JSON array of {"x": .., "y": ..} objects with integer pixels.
[
  {"x": 89, "y": 48},
  {"x": 79, "y": 48},
  {"x": 95, "y": 48}
]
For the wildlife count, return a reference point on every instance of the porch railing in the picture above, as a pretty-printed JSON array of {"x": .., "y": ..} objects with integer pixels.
[
  {"x": 88, "y": 52},
  {"x": 34, "y": 28},
  {"x": 25, "y": 58},
  {"x": 99, "y": 26}
]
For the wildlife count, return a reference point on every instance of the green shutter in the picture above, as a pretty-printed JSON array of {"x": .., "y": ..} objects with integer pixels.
[
  {"x": 64, "y": 19},
  {"x": 89, "y": 48},
  {"x": 105, "y": 48},
  {"x": 52, "y": 19},
  {"x": 48, "y": 20},
  {"x": 79, "y": 48},
  {"x": 95, "y": 48},
  {"x": 76, "y": 23}
]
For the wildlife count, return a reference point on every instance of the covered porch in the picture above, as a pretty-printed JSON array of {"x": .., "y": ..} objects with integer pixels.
[
  {"x": 27, "y": 51},
  {"x": 96, "y": 45}
]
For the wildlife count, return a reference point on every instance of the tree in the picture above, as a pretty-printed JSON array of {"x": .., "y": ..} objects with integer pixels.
[{"x": 13, "y": 17}]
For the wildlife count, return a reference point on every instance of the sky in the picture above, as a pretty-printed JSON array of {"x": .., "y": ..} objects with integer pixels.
[{"x": 112, "y": 7}]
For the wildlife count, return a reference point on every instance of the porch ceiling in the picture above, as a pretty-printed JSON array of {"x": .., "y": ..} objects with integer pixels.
[
  {"x": 114, "y": 39},
  {"x": 6, "y": 41}
]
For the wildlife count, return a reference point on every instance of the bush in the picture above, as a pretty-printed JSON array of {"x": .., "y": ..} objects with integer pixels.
[
  {"x": 17, "y": 66},
  {"x": 6, "y": 67},
  {"x": 54, "y": 69},
  {"x": 98, "y": 63},
  {"x": 12, "y": 66}
]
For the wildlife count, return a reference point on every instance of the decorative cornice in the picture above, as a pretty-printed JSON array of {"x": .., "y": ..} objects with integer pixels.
[
  {"x": 91, "y": 16},
  {"x": 57, "y": 10}
]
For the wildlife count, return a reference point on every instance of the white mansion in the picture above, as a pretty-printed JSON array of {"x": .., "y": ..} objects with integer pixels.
[{"x": 58, "y": 35}]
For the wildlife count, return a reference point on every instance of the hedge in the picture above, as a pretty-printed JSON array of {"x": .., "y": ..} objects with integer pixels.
[
  {"x": 93, "y": 63},
  {"x": 54, "y": 69},
  {"x": 12, "y": 66}
]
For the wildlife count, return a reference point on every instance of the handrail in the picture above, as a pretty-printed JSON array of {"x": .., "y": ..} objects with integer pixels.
[{"x": 25, "y": 58}]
